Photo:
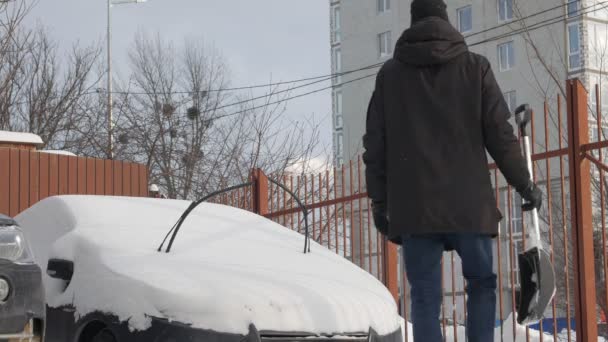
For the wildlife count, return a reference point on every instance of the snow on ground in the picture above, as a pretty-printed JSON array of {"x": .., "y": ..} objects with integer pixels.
[
  {"x": 506, "y": 335},
  {"x": 228, "y": 268},
  {"x": 20, "y": 137}
]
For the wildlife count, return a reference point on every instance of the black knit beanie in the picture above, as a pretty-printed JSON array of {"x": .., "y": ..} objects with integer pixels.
[{"x": 428, "y": 8}]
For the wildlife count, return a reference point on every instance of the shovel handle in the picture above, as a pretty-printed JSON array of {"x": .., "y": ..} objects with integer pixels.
[{"x": 523, "y": 117}]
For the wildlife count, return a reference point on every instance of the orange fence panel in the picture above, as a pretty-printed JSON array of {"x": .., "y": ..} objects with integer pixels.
[{"x": 27, "y": 177}]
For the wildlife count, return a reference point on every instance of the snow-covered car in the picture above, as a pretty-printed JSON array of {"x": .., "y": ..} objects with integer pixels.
[
  {"x": 231, "y": 275},
  {"x": 21, "y": 292}
]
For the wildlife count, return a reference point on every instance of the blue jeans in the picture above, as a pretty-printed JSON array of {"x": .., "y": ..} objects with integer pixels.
[{"x": 422, "y": 254}]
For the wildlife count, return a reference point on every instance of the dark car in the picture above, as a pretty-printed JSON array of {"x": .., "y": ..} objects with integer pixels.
[{"x": 21, "y": 293}]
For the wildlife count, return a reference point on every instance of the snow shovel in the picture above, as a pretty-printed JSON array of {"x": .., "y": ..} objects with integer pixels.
[{"x": 536, "y": 273}]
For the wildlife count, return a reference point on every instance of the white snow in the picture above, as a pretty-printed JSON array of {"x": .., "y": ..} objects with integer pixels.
[
  {"x": 20, "y": 138},
  {"x": 60, "y": 152},
  {"x": 228, "y": 268},
  {"x": 311, "y": 165},
  {"x": 506, "y": 334}
]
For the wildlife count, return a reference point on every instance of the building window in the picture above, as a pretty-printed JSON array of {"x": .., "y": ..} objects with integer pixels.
[
  {"x": 514, "y": 217},
  {"x": 602, "y": 84},
  {"x": 505, "y": 10},
  {"x": 599, "y": 10},
  {"x": 574, "y": 47},
  {"x": 339, "y": 144},
  {"x": 593, "y": 137},
  {"x": 511, "y": 99},
  {"x": 572, "y": 7},
  {"x": 513, "y": 227},
  {"x": 506, "y": 56},
  {"x": 516, "y": 224},
  {"x": 384, "y": 5},
  {"x": 516, "y": 213},
  {"x": 598, "y": 46},
  {"x": 338, "y": 109},
  {"x": 335, "y": 36},
  {"x": 385, "y": 44},
  {"x": 465, "y": 19},
  {"x": 518, "y": 248},
  {"x": 337, "y": 62},
  {"x": 338, "y": 101}
]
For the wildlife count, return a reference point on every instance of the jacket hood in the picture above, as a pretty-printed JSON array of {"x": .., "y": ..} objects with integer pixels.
[{"x": 431, "y": 41}]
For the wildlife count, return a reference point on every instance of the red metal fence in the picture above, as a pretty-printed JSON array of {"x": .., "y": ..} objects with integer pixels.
[
  {"x": 27, "y": 177},
  {"x": 568, "y": 166},
  {"x": 339, "y": 214}
]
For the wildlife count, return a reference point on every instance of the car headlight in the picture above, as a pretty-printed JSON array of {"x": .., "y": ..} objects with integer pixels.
[
  {"x": 5, "y": 290},
  {"x": 13, "y": 246}
]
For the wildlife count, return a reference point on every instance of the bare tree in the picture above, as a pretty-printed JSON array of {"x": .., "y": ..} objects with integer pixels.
[
  {"x": 175, "y": 115},
  {"x": 42, "y": 91},
  {"x": 49, "y": 98},
  {"x": 14, "y": 44}
]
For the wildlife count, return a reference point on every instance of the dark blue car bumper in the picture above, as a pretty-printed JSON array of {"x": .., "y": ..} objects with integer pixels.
[
  {"x": 26, "y": 298},
  {"x": 61, "y": 327}
]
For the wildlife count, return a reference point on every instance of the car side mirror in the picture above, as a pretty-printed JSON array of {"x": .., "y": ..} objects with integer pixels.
[{"x": 60, "y": 269}]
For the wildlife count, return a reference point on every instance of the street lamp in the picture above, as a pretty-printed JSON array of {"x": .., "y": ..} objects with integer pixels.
[{"x": 110, "y": 119}]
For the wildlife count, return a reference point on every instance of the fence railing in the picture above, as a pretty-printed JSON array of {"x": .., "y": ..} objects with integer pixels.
[
  {"x": 339, "y": 215},
  {"x": 27, "y": 177},
  {"x": 568, "y": 166}
]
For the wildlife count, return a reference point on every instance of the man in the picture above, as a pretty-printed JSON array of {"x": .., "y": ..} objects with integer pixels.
[{"x": 435, "y": 110}]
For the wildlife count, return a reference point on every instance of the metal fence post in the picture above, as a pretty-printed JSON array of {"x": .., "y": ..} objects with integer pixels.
[
  {"x": 260, "y": 192},
  {"x": 582, "y": 214},
  {"x": 391, "y": 269}
]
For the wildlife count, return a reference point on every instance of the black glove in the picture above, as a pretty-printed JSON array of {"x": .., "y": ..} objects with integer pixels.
[
  {"x": 380, "y": 217},
  {"x": 533, "y": 197}
]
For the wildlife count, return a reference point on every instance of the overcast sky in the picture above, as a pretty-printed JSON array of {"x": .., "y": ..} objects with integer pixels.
[{"x": 282, "y": 39}]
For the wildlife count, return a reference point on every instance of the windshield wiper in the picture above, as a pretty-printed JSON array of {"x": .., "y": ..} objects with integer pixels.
[
  {"x": 176, "y": 227},
  {"x": 304, "y": 212},
  {"x": 180, "y": 221}
]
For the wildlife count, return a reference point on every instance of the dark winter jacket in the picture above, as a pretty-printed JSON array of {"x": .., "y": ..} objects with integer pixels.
[{"x": 435, "y": 110}]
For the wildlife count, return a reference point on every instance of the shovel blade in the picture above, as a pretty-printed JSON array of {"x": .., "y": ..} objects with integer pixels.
[{"x": 537, "y": 285}]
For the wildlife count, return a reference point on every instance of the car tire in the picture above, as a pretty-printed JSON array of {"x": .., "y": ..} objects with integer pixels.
[{"x": 104, "y": 335}]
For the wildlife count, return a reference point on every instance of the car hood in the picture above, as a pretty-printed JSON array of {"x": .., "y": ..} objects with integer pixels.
[{"x": 228, "y": 269}]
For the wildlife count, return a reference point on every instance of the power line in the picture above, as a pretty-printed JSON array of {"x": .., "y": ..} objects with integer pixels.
[
  {"x": 328, "y": 76},
  {"x": 545, "y": 23},
  {"x": 536, "y": 26},
  {"x": 520, "y": 19},
  {"x": 371, "y": 66},
  {"x": 52, "y": 97},
  {"x": 272, "y": 94},
  {"x": 289, "y": 98}
]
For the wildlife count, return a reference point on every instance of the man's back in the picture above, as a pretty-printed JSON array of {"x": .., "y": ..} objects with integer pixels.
[{"x": 440, "y": 107}]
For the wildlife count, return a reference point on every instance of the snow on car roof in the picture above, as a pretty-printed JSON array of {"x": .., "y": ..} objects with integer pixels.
[
  {"x": 20, "y": 137},
  {"x": 228, "y": 268}
]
